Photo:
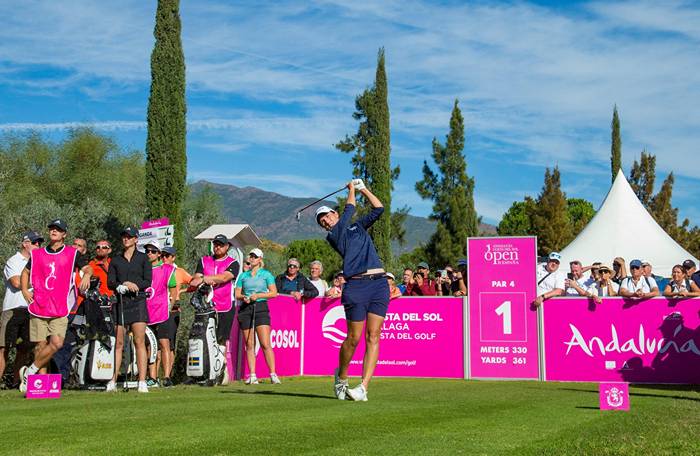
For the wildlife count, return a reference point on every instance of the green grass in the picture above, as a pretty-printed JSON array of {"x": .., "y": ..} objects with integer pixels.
[{"x": 402, "y": 417}]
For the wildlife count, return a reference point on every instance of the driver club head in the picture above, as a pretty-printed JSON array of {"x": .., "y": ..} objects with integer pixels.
[{"x": 299, "y": 216}]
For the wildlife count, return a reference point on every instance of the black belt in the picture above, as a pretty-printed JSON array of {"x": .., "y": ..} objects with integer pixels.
[{"x": 378, "y": 275}]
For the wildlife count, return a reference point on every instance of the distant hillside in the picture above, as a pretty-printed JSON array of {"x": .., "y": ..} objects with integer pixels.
[{"x": 273, "y": 216}]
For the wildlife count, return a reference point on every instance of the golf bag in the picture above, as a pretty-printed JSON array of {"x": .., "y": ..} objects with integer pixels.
[
  {"x": 205, "y": 359},
  {"x": 92, "y": 358}
]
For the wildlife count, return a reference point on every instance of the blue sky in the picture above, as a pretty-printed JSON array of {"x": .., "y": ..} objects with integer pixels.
[{"x": 271, "y": 87}]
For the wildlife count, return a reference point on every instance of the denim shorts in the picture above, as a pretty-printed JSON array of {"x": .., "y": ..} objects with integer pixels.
[{"x": 361, "y": 297}]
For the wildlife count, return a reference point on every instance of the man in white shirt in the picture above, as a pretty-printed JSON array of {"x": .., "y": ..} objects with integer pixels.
[
  {"x": 550, "y": 280},
  {"x": 638, "y": 286},
  {"x": 575, "y": 277},
  {"x": 315, "y": 271},
  {"x": 14, "y": 322}
]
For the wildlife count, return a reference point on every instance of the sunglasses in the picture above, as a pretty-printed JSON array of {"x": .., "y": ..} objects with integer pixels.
[
  {"x": 37, "y": 243},
  {"x": 165, "y": 255},
  {"x": 252, "y": 255},
  {"x": 219, "y": 244},
  {"x": 635, "y": 267},
  {"x": 292, "y": 266},
  {"x": 102, "y": 247},
  {"x": 152, "y": 250},
  {"x": 247, "y": 263}
]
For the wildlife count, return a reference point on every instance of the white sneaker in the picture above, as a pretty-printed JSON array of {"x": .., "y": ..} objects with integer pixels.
[
  {"x": 274, "y": 379},
  {"x": 340, "y": 386},
  {"x": 111, "y": 387},
  {"x": 23, "y": 381},
  {"x": 358, "y": 393},
  {"x": 143, "y": 387},
  {"x": 225, "y": 379},
  {"x": 251, "y": 380}
]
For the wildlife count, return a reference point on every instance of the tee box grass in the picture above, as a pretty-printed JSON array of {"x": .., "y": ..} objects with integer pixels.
[{"x": 403, "y": 416}]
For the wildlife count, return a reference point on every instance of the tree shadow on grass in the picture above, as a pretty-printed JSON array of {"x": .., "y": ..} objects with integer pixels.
[
  {"x": 279, "y": 393},
  {"x": 587, "y": 407}
]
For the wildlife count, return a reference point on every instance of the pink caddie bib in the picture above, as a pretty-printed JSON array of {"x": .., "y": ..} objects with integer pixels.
[
  {"x": 52, "y": 279},
  {"x": 223, "y": 293},
  {"x": 158, "y": 304}
]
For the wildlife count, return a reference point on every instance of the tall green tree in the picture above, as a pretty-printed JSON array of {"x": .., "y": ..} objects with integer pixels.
[
  {"x": 371, "y": 159},
  {"x": 642, "y": 177},
  {"x": 517, "y": 221},
  {"x": 166, "y": 158},
  {"x": 662, "y": 210},
  {"x": 551, "y": 220},
  {"x": 452, "y": 193},
  {"x": 615, "y": 145},
  {"x": 580, "y": 213},
  {"x": 308, "y": 250}
]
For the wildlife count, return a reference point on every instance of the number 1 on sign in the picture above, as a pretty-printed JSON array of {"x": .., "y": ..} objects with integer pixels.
[{"x": 504, "y": 310}]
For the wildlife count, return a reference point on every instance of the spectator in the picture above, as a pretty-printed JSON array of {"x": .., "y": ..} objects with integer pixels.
[
  {"x": 647, "y": 272},
  {"x": 80, "y": 245},
  {"x": 394, "y": 291},
  {"x": 680, "y": 286},
  {"x": 421, "y": 286},
  {"x": 604, "y": 286},
  {"x": 460, "y": 278},
  {"x": 406, "y": 280},
  {"x": 575, "y": 277},
  {"x": 315, "y": 271},
  {"x": 337, "y": 289},
  {"x": 691, "y": 271},
  {"x": 294, "y": 283},
  {"x": 100, "y": 265},
  {"x": 247, "y": 266},
  {"x": 14, "y": 322},
  {"x": 637, "y": 285},
  {"x": 550, "y": 280},
  {"x": 620, "y": 269},
  {"x": 595, "y": 274},
  {"x": 429, "y": 287}
]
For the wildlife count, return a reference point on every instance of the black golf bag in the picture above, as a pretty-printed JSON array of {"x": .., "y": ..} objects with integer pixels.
[
  {"x": 205, "y": 359},
  {"x": 92, "y": 357}
]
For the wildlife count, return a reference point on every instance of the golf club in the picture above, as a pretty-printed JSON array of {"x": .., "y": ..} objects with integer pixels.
[
  {"x": 252, "y": 333},
  {"x": 317, "y": 201}
]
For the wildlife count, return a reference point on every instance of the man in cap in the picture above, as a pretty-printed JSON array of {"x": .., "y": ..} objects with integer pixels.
[
  {"x": 129, "y": 275},
  {"x": 459, "y": 278},
  {"x": 647, "y": 271},
  {"x": 366, "y": 293},
  {"x": 48, "y": 286},
  {"x": 294, "y": 283},
  {"x": 427, "y": 287},
  {"x": 550, "y": 280},
  {"x": 691, "y": 271},
  {"x": 14, "y": 321},
  {"x": 637, "y": 285},
  {"x": 220, "y": 270}
]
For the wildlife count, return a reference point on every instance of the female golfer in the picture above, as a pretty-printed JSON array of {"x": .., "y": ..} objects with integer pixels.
[
  {"x": 366, "y": 293},
  {"x": 254, "y": 288}
]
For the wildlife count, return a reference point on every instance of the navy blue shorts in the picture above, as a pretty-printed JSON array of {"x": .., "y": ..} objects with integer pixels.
[{"x": 361, "y": 297}]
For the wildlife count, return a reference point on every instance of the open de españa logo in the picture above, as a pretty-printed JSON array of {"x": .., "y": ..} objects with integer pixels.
[{"x": 500, "y": 254}]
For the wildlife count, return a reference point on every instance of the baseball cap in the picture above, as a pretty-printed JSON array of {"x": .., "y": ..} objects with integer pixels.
[
  {"x": 321, "y": 211},
  {"x": 169, "y": 250},
  {"x": 257, "y": 252},
  {"x": 422, "y": 265},
  {"x": 130, "y": 231},
  {"x": 554, "y": 256},
  {"x": 293, "y": 261},
  {"x": 462, "y": 262},
  {"x": 645, "y": 262},
  {"x": 220, "y": 238},
  {"x": 391, "y": 276},
  {"x": 58, "y": 223},
  {"x": 688, "y": 264},
  {"x": 32, "y": 236},
  {"x": 635, "y": 264},
  {"x": 153, "y": 243}
]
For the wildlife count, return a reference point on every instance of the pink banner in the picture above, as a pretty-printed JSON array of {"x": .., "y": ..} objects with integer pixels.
[
  {"x": 643, "y": 341},
  {"x": 155, "y": 223},
  {"x": 421, "y": 337},
  {"x": 503, "y": 339},
  {"x": 44, "y": 386},
  {"x": 285, "y": 338}
]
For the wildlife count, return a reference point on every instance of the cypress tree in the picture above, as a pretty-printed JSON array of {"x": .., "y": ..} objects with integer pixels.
[
  {"x": 452, "y": 193},
  {"x": 616, "y": 145},
  {"x": 371, "y": 149},
  {"x": 551, "y": 222},
  {"x": 166, "y": 158}
]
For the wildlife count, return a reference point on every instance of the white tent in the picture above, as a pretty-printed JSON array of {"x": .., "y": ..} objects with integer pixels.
[{"x": 623, "y": 227}]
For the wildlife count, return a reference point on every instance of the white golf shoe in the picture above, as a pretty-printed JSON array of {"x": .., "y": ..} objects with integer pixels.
[
  {"x": 143, "y": 387},
  {"x": 111, "y": 387},
  {"x": 340, "y": 386},
  {"x": 358, "y": 393},
  {"x": 251, "y": 380},
  {"x": 23, "y": 379},
  {"x": 274, "y": 379}
]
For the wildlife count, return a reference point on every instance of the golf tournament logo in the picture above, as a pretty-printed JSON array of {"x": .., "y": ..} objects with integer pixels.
[
  {"x": 329, "y": 328},
  {"x": 54, "y": 385},
  {"x": 51, "y": 278},
  {"x": 38, "y": 384},
  {"x": 500, "y": 254},
  {"x": 614, "y": 396}
]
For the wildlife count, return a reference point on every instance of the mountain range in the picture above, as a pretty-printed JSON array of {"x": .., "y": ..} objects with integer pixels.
[{"x": 273, "y": 216}]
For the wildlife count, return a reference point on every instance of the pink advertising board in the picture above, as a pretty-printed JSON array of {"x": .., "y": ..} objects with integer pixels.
[
  {"x": 421, "y": 337},
  {"x": 44, "y": 386},
  {"x": 641, "y": 341},
  {"x": 503, "y": 335},
  {"x": 155, "y": 223},
  {"x": 614, "y": 396},
  {"x": 285, "y": 338}
]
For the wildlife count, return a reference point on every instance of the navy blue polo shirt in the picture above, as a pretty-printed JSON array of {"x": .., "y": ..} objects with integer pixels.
[{"x": 353, "y": 243}]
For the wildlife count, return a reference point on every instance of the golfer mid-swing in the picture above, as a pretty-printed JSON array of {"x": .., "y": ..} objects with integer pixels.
[{"x": 366, "y": 293}]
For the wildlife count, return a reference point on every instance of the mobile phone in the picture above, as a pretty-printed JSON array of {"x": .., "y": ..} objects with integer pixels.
[
  {"x": 570, "y": 276},
  {"x": 443, "y": 273}
]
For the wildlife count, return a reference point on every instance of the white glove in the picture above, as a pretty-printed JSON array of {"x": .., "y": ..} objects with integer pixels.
[
  {"x": 122, "y": 289},
  {"x": 358, "y": 184}
]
